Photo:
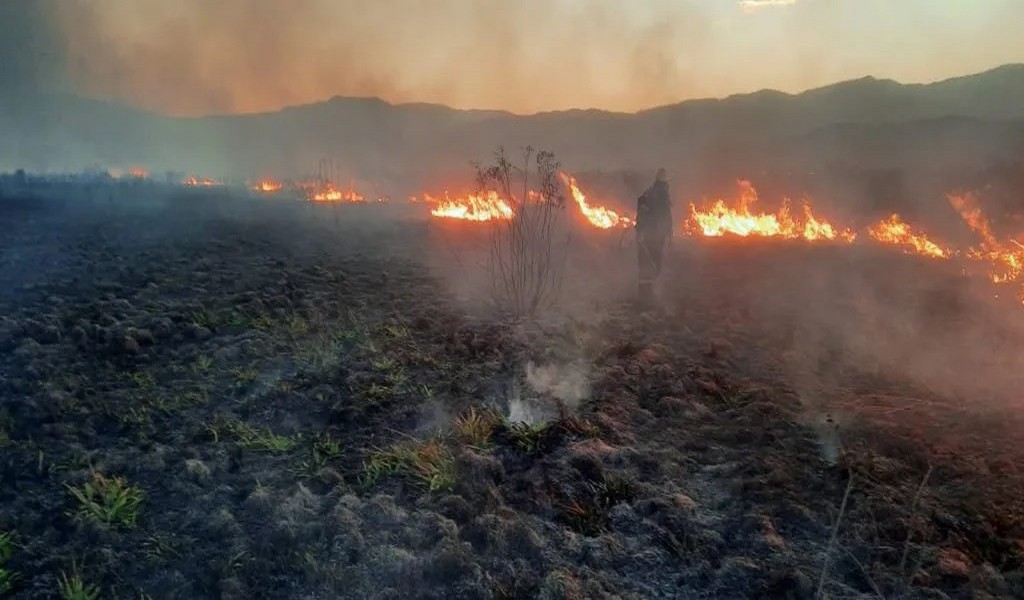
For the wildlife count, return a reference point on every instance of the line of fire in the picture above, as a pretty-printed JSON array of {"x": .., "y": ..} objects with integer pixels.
[{"x": 1001, "y": 260}]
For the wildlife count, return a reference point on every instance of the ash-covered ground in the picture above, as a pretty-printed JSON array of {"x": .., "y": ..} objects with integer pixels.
[{"x": 213, "y": 397}]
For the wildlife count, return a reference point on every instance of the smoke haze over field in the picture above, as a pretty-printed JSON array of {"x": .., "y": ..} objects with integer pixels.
[{"x": 195, "y": 57}]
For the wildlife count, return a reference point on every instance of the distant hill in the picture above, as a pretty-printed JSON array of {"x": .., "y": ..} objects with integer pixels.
[{"x": 962, "y": 124}]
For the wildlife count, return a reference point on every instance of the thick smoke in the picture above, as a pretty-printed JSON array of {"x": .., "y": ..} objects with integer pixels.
[
  {"x": 198, "y": 57},
  {"x": 241, "y": 55},
  {"x": 31, "y": 53}
]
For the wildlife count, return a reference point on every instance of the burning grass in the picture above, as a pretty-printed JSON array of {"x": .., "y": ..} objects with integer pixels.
[{"x": 720, "y": 219}]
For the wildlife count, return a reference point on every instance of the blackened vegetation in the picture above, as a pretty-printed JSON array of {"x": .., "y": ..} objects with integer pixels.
[{"x": 234, "y": 401}]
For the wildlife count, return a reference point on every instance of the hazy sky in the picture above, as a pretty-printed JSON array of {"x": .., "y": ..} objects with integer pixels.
[{"x": 202, "y": 56}]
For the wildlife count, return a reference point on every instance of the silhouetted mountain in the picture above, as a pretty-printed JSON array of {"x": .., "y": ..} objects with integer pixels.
[{"x": 962, "y": 123}]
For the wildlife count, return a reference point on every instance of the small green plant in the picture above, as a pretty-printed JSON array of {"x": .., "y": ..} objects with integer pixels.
[
  {"x": 377, "y": 392},
  {"x": 429, "y": 463},
  {"x": 236, "y": 319},
  {"x": 383, "y": 364},
  {"x": 327, "y": 446},
  {"x": 527, "y": 436},
  {"x": 203, "y": 318},
  {"x": 161, "y": 547},
  {"x": 203, "y": 363},
  {"x": 245, "y": 376},
  {"x": 256, "y": 439},
  {"x": 7, "y": 576},
  {"x": 73, "y": 588},
  {"x": 323, "y": 352},
  {"x": 474, "y": 428},
  {"x": 297, "y": 326},
  {"x": 107, "y": 501},
  {"x": 322, "y": 449},
  {"x": 262, "y": 322},
  {"x": 143, "y": 381}
]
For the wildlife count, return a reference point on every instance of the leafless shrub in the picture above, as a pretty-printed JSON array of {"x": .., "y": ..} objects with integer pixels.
[{"x": 525, "y": 263}]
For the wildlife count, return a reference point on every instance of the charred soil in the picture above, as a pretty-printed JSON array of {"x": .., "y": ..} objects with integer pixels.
[{"x": 214, "y": 397}]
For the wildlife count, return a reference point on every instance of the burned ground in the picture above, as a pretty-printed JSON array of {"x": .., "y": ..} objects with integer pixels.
[{"x": 208, "y": 397}]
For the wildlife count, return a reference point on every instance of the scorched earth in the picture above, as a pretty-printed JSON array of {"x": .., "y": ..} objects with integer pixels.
[{"x": 209, "y": 396}]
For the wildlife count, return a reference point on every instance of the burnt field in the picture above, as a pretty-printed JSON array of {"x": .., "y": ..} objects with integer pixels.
[{"x": 204, "y": 396}]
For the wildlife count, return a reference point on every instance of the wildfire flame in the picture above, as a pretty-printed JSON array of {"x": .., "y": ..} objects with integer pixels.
[
  {"x": 471, "y": 207},
  {"x": 268, "y": 186},
  {"x": 138, "y": 173},
  {"x": 598, "y": 216},
  {"x": 332, "y": 194},
  {"x": 894, "y": 231},
  {"x": 1006, "y": 259},
  {"x": 192, "y": 180},
  {"x": 719, "y": 220}
]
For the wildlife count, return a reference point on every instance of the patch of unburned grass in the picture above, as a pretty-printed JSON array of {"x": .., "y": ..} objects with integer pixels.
[
  {"x": 430, "y": 464},
  {"x": 297, "y": 326},
  {"x": 73, "y": 588},
  {"x": 527, "y": 436},
  {"x": 262, "y": 322},
  {"x": 245, "y": 376},
  {"x": 144, "y": 381},
  {"x": 107, "y": 501},
  {"x": 323, "y": 352},
  {"x": 378, "y": 392},
  {"x": 323, "y": 448},
  {"x": 7, "y": 576},
  {"x": 203, "y": 318},
  {"x": 251, "y": 437},
  {"x": 203, "y": 363},
  {"x": 475, "y": 428}
]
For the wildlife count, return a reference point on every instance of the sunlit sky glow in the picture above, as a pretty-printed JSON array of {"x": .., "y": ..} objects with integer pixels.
[{"x": 202, "y": 56}]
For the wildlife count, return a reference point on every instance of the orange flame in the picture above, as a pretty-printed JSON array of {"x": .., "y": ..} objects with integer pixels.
[
  {"x": 138, "y": 173},
  {"x": 719, "y": 220},
  {"x": 268, "y": 186},
  {"x": 332, "y": 194},
  {"x": 598, "y": 216},
  {"x": 894, "y": 231},
  {"x": 1006, "y": 260},
  {"x": 471, "y": 207},
  {"x": 192, "y": 180}
]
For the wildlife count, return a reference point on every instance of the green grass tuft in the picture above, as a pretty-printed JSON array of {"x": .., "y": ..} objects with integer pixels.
[
  {"x": 475, "y": 428},
  {"x": 7, "y": 576},
  {"x": 252, "y": 437},
  {"x": 73, "y": 588},
  {"x": 107, "y": 501},
  {"x": 429, "y": 463},
  {"x": 322, "y": 449},
  {"x": 245, "y": 376},
  {"x": 527, "y": 436}
]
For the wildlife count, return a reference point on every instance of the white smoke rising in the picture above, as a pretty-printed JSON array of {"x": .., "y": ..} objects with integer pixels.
[{"x": 567, "y": 383}]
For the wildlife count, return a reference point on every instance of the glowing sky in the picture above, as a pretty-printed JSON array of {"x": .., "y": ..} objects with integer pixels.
[{"x": 202, "y": 56}]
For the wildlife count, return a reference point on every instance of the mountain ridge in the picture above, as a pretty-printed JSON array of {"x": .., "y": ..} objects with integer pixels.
[{"x": 416, "y": 144}]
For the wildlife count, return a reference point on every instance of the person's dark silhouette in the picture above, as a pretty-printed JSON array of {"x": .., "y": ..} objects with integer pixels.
[{"x": 653, "y": 230}]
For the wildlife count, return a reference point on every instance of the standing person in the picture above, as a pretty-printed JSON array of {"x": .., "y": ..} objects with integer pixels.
[{"x": 653, "y": 230}]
